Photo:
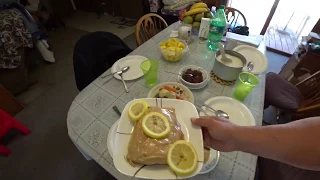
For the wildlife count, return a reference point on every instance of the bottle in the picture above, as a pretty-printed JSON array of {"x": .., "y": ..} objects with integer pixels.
[
  {"x": 216, "y": 29},
  {"x": 213, "y": 10}
]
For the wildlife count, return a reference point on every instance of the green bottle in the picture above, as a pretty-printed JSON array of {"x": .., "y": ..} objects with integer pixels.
[{"x": 216, "y": 30}]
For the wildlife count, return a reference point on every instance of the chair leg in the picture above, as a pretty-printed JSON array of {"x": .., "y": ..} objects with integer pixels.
[
  {"x": 4, "y": 151},
  {"x": 20, "y": 127}
]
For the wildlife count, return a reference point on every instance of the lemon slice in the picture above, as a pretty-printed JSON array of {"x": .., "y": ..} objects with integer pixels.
[
  {"x": 137, "y": 109},
  {"x": 182, "y": 158},
  {"x": 156, "y": 125}
]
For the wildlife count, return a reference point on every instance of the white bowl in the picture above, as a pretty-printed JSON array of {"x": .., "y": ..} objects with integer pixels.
[
  {"x": 194, "y": 85},
  {"x": 187, "y": 95},
  {"x": 173, "y": 56}
]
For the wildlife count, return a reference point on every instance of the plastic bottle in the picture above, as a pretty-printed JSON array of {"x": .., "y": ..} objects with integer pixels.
[
  {"x": 213, "y": 10},
  {"x": 216, "y": 29}
]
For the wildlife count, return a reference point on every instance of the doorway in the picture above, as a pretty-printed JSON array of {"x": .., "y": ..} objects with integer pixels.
[{"x": 282, "y": 22}]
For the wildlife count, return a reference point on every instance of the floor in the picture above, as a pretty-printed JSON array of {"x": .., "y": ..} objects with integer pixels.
[
  {"x": 48, "y": 153},
  {"x": 277, "y": 41},
  {"x": 87, "y": 21}
]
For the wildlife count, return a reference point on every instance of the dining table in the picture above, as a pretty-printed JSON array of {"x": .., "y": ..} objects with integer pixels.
[{"x": 91, "y": 114}]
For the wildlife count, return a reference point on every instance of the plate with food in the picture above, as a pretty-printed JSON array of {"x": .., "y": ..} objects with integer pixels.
[
  {"x": 171, "y": 90},
  {"x": 156, "y": 140},
  {"x": 194, "y": 77},
  {"x": 111, "y": 136}
]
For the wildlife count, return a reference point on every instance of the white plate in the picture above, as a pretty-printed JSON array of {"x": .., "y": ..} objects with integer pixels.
[
  {"x": 212, "y": 162},
  {"x": 238, "y": 113},
  {"x": 193, "y": 134},
  {"x": 253, "y": 54},
  {"x": 111, "y": 137},
  {"x": 187, "y": 95},
  {"x": 134, "y": 62}
]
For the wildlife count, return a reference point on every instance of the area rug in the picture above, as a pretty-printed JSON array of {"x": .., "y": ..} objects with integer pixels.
[{"x": 124, "y": 21}]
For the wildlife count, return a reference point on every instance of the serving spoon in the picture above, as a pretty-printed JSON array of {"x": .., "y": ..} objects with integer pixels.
[
  {"x": 223, "y": 54},
  {"x": 250, "y": 67}
]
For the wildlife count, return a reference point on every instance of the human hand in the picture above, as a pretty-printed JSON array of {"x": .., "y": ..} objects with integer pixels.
[{"x": 217, "y": 133}]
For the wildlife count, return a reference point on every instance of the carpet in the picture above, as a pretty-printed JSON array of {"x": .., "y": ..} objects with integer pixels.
[
  {"x": 88, "y": 21},
  {"x": 124, "y": 21}
]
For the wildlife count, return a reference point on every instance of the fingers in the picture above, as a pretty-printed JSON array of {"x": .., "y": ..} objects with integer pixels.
[{"x": 203, "y": 121}]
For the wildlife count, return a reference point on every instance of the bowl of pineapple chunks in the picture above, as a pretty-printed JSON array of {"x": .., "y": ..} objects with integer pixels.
[{"x": 173, "y": 49}]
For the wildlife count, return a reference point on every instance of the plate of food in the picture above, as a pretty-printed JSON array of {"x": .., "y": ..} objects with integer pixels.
[
  {"x": 171, "y": 90},
  {"x": 156, "y": 140}
]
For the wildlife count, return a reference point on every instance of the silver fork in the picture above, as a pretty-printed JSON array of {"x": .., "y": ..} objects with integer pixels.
[
  {"x": 218, "y": 113},
  {"x": 199, "y": 108}
]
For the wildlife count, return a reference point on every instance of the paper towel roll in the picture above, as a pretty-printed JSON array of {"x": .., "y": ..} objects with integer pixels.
[{"x": 204, "y": 27}]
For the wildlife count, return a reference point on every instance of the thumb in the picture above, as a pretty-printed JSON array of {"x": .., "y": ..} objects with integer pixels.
[{"x": 204, "y": 121}]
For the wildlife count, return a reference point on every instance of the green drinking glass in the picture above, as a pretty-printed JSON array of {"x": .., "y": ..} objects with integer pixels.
[
  {"x": 150, "y": 72},
  {"x": 247, "y": 81}
]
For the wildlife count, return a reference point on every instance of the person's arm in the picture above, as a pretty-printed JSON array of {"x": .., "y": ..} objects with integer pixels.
[{"x": 296, "y": 143}]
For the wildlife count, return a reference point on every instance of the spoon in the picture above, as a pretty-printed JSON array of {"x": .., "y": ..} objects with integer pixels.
[
  {"x": 219, "y": 113},
  {"x": 223, "y": 54},
  {"x": 250, "y": 67},
  {"x": 124, "y": 69}
]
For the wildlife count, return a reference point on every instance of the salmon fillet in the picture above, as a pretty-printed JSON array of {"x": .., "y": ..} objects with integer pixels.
[{"x": 148, "y": 151}]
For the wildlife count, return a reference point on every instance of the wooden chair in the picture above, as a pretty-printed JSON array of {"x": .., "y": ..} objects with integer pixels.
[
  {"x": 232, "y": 16},
  {"x": 310, "y": 89},
  {"x": 306, "y": 105},
  {"x": 148, "y": 26}
]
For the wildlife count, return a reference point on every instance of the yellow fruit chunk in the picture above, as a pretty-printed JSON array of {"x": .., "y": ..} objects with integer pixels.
[
  {"x": 182, "y": 158},
  {"x": 156, "y": 125},
  {"x": 137, "y": 109}
]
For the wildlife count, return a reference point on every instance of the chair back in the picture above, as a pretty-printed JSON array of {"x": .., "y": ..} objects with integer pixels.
[
  {"x": 94, "y": 53},
  {"x": 310, "y": 89},
  {"x": 232, "y": 16},
  {"x": 148, "y": 26}
]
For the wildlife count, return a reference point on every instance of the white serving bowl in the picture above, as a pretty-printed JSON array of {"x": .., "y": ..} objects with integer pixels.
[{"x": 194, "y": 85}]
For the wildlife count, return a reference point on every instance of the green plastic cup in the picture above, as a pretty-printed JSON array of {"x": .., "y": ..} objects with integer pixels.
[
  {"x": 247, "y": 81},
  {"x": 150, "y": 72}
]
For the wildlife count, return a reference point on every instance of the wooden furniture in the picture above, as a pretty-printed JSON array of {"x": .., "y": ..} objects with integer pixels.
[
  {"x": 16, "y": 80},
  {"x": 232, "y": 16},
  {"x": 148, "y": 26},
  {"x": 310, "y": 89},
  {"x": 9, "y": 103}
]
